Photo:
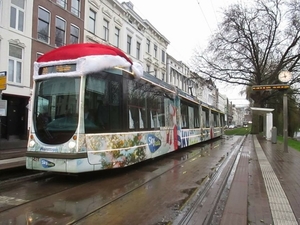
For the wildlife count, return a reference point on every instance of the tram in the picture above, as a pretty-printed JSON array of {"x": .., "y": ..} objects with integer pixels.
[{"x": 94, "y": 109}]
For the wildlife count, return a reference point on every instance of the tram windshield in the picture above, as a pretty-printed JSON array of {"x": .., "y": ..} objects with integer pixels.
[{"x": 56, "y": 108}]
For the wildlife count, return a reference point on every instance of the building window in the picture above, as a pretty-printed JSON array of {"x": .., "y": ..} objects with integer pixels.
[
  {"x": 15, "y": 64},
  {"x": 43, "y": 25},
  {"x": 163, "y": 76},
  {"x": 75, "y": 7},
  {"x": 163, "y": 56},
  {"x": 74, "y": 34},
  {"x": 148, "y": 68},
  {"x": 148, "y": 45},
  {"x": 62, "y": 3},
  {"x": 171, "y": 76},
  {"x": 138, "y": 50},
  {"x": 92, "y": 21},
  {"x": 155, "y": 72},
  {"x": 117, "y": 37},
  {"x": 155, "y": 51},
  {"x": 17, "y": 14},
  {"x": 105, "y": 30},
  {"x": 60, "y": 31},
  {"x": 129, "y": 44}
]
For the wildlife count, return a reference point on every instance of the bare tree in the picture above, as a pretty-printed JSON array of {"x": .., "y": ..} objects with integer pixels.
[{"x": 253, "y": 44}]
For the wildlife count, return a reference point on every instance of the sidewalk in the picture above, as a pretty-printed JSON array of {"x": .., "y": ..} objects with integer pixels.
[
  {"x": 12, "y": 144},
  {"x": 267, "y": 190},
  {"x": 12, "y": 153}
]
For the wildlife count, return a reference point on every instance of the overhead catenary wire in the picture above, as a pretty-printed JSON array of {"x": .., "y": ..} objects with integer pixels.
[
  {"x": 214, "y": 11},
  {"x": 204, "y": 16}
]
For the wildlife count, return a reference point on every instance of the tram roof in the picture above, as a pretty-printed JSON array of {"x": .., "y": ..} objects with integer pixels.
[
  {"x": 167, "y": 86},
  {"x": 157, "y": 81}
]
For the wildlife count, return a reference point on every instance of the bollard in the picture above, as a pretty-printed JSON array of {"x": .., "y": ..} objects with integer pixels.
[{"x": 274, "y": 135}]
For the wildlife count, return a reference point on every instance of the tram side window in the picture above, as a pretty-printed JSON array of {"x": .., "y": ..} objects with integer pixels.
[
  {"x": 184, "y": 115},
  {"x": 191, "y": 117},
  {"x": 145, "y": 106},
  {"x": 215, "y": 119},
  {"x": 196, "y": 117},
  {"x": 95, "y": 103},
  {"x": 115, "y": 110},
  {"x": 212, "y": 120},
  {"x": 133, "y": 117},
  {"x": 136, "y": 105},
  {"x": 161, "y": 114},
  {"x": 102, "y": 111},
  {"x": 222, "y": 120},
  {"x": 155, "y": 109},
  {"x": 205, "y": 117}
]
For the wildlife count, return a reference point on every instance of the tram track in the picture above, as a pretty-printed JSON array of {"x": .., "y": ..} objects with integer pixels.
[
  {"x": 41, "y": 178},
  {"x": 20, "y": 176},
  {"x": 201, "y": 195},
  {"x": 123, "y": 178}
]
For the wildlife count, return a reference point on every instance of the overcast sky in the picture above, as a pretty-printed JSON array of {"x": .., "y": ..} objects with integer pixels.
[{"x": 186, "y": 24}]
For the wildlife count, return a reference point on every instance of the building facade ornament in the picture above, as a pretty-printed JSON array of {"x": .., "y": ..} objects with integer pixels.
[
  {"x": 95, "y": 3},
  {"x": 118, "y": 21},
  {"x": 106, "y": 12},
  {"x": 93, "y": 38},
  {"x": 148, "y": 59},
  {"x": 17, "y": 42}
]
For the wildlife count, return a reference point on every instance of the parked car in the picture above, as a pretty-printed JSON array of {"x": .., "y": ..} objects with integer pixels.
[{"x": 231, "y": 126}]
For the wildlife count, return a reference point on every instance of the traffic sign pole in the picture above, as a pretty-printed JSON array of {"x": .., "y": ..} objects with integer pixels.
[
  {"x": 0, "y": 119},
  {"x": 285, "y": 123},
  {"x": 2, "y": 87}
]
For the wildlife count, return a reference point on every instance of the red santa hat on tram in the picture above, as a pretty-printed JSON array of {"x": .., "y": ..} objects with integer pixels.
[{"x": 91, "y": 57}]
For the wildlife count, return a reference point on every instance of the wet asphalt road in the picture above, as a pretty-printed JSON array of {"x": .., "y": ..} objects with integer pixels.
[{"x": 153, "y": 192}]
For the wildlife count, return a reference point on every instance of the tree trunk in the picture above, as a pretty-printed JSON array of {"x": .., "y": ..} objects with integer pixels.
[
  {"x": 255, "y": 129},
  {"x": 255, "y": 123}
]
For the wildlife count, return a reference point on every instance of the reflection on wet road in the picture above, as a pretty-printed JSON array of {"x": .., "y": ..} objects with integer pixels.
[{"x": 153, "y": 192}]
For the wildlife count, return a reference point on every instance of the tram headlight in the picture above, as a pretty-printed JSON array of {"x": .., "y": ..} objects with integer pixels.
[
  {"x": 72, "y": 144},
  {"x": 31, "y": 143}
]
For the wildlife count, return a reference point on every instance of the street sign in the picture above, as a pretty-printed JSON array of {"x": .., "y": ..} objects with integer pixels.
[
  {"x": 270, "y": 87},
  {"x": 3, "y": 80}
]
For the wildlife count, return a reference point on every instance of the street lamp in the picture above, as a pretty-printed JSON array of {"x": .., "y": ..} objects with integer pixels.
[{"x": 285, "y": 76}]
